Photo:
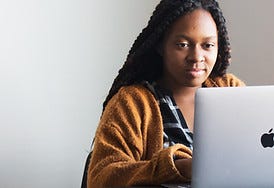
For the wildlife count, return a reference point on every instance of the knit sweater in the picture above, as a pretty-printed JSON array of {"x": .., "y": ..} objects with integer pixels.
[{"x": 128, "y": 148}]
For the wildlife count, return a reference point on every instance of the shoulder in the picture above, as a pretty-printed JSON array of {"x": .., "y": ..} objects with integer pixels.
[
  {"x": 133, "y": 97},
  {"x": 136, "y": 92},
  {"x": 227, "y": 80},
  {"x": 131, "y": 107}
]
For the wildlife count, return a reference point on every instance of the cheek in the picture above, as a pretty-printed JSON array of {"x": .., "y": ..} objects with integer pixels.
[
  {"x": 172, "y": 56},
  {"x": 212, "y": 62},
  {"x": 212, "y": 59},
  {"x": 172, "y": 61}
]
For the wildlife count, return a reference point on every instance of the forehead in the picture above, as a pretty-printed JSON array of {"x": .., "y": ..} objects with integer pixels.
[{"x": 198, "y": 23}]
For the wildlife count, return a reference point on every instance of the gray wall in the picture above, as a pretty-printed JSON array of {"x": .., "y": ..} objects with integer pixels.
[
  {"x": 57, "y": 61},
  {"x": 251, "y": 30}
]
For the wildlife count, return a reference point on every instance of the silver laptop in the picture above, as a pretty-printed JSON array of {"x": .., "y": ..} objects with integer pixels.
[{"x": 233, "y": 137}]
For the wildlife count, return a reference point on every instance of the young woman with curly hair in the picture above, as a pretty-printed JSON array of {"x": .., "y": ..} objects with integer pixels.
[{"x": 145, "y": 132}]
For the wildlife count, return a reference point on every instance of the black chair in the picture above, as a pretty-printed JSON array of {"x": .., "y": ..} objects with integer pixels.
[{"x": 85, "y": 174}]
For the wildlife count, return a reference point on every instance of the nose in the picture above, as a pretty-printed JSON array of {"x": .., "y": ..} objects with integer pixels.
[{"x": 196, "y": 55}]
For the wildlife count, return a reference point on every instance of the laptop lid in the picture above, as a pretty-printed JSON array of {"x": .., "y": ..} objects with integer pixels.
[{"x": 229, "y": 125}]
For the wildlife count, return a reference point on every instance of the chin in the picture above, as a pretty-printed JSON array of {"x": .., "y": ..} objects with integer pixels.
[{"x": 196, "y": 83}]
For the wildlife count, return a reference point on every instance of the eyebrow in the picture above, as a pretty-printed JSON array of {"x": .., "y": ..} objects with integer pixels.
[{"x": 188, "y": 38}]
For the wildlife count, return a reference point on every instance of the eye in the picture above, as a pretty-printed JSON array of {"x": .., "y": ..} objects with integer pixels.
[
  {"x": 209, "y": 45},
  {"x": 182, "y": 44}
]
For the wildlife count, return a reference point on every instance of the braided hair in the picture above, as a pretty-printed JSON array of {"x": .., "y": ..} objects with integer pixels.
[{"x": 144, "y": 63}]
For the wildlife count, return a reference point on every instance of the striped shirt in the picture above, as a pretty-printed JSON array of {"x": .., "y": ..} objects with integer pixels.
[{"x": 175, "y": 127}]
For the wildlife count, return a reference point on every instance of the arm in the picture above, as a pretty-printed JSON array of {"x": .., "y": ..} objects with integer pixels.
[
  {"x": 128, "y": 146},
  {"x": 184, "y": 166}
]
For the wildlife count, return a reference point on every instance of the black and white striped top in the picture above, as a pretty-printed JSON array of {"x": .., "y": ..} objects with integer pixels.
[{"x": 175, "y": 127}]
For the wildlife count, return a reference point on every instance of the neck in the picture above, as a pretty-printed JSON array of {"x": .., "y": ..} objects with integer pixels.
[
  {"x": 188, "y": 92},
  {"x": 182, "y": 92}
]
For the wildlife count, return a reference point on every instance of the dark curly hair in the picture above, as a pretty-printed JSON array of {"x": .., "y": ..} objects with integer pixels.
[{"x": 144, "y": 63}]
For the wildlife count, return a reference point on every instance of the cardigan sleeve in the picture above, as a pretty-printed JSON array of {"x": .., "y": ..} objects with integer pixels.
[{"x": 128, "y": 148}]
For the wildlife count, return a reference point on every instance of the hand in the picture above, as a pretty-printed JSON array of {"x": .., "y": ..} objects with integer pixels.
[{"x": 184, "y": 166}]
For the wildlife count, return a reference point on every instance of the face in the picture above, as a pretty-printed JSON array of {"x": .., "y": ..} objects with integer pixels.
[{"x": 189, "y": 50}]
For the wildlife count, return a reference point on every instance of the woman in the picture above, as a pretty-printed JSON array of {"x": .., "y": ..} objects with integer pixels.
[{"x": 145, "y": 133}]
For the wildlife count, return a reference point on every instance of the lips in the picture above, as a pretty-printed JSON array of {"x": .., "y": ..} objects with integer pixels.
[{"x": 196, "y": 72}]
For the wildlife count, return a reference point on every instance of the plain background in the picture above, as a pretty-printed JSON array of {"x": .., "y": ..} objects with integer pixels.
[{"x": 58, "y": 59}]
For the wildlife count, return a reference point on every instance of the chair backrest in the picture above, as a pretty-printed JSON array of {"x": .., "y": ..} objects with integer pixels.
[{"x": 85, "y": 174}]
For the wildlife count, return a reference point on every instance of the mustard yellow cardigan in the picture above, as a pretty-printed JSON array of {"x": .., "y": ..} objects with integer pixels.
[{"x": 128, "y": 148}]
